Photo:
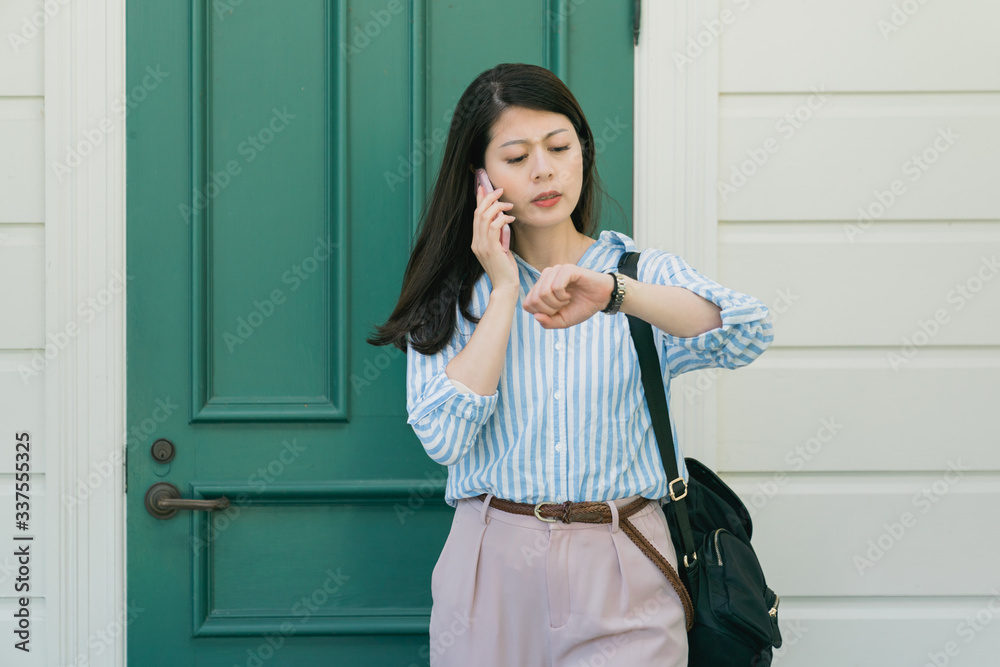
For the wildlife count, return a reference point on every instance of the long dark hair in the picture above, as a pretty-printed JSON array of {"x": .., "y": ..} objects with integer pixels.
[{"x": 442, "y": 267}]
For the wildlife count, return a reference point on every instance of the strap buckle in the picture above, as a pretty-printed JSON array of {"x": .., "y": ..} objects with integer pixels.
[
  {"x": 539, "y": 506},
  {"x": 671, "y": 488}
]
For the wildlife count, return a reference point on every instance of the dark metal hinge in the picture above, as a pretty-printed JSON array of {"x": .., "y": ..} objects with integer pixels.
[{"x": 636, "y": 14}]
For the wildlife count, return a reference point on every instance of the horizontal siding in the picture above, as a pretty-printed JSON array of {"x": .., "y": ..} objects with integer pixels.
[
  {"x": 22, "y": 150},
  {"x": 789, "y": 45},
  {"x": 21, "y": 67},
  {"x": 22, "y": 317},
  {"x": 937, "y": 517},
  {"x": 23, "y": 401},
  {"x": 879, "y": 632},
  {"x": 857, "y": 180},
  {"x": 824, "y": 156},
  {"x": 859, "y": 414},
  {"x": 873, "y": 287},
  {"x": 22, "y": 273}
]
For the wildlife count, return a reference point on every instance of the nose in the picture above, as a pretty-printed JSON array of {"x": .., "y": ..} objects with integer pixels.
[{"x": 541, "y": 169}]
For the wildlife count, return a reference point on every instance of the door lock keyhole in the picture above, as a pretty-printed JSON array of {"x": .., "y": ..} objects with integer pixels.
[{"x": 163, "y": 450}]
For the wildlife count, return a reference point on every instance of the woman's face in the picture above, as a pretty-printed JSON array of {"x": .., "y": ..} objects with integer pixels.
[{"x": 536, "y": 157}]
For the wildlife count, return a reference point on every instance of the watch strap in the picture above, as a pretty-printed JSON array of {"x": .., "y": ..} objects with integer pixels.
[{"x": 617, "y": 294}]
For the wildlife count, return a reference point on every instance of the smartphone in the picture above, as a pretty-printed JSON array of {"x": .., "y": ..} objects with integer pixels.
[{"x": 484, "y": 180}]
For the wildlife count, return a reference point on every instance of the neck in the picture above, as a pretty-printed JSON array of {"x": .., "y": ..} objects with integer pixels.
[{"x": 542, "y": 248}]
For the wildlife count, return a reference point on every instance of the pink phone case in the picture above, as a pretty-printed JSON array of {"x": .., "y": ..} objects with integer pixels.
[{"x": 484, "y": 180}]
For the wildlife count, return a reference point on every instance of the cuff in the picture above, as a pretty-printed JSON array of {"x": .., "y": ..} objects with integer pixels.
[
  {"x": 446, "y": 397},
  {"x": 732, "y": 312},
  {"x": 461, "y": 387}
]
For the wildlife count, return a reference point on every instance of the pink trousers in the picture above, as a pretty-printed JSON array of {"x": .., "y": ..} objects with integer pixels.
[{"x": 513, "y": 591}]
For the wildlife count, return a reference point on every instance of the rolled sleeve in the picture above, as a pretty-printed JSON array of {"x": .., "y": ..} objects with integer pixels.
[
  {"x": 746, "y": 329},
  {"x": 446, "y": 415}
]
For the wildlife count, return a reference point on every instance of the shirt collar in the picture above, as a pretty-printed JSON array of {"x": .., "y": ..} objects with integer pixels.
[{"x": 595, "y": 255}]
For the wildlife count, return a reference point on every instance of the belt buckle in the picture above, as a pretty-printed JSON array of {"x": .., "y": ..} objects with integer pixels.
[{"x": 539, "y": 506}]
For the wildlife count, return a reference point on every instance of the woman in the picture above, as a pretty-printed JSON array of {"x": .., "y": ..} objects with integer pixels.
[{"x": 531, "y": 395}]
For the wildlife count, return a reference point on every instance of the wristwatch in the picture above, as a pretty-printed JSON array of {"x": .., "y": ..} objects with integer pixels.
[{"x": 617, "y": 294}]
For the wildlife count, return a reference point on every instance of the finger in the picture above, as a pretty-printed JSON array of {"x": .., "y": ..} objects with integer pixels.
[
  {"x": 501, "y": 220},
  {"x": 490, "y": 197},
  {"x": 560, "y": 285},
  {"x": 545, "y": 301},
  {"x": 544, "y": 320},
  {"x": 550, "y": 322},
  {"x": 558, "y": 295},
  {"x": 494, "y": 211}
]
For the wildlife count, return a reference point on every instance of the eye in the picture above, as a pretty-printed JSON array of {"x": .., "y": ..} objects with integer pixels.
[
  {"x": 561, "y": 148},
  {"x": 516, "y": 160}
]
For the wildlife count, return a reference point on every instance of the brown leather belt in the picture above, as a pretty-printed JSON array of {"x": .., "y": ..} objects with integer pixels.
[{"x": 600, "y": 512}]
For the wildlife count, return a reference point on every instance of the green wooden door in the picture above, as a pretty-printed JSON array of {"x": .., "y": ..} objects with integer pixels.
[{"x": 278, "y": 155}]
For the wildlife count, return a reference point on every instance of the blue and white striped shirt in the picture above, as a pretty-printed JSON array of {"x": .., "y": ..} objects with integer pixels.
[{"x": 569, "y": 420}]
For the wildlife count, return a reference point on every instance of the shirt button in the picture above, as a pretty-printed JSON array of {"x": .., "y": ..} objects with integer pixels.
[
  {"x": 559, "y": 447},
  {"x": 558, "y": 395},
  {"x": 468, "y": 413},
  {"x": 559, "y": 345}
]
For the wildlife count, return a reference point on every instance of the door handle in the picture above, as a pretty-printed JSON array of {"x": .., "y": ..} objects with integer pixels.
[{"x": 163, "y": 499}]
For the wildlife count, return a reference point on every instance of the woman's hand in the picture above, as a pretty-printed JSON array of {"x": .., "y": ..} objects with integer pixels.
[
  {"x": 487, "y": 222},
  {"x": 567, "y": 294}
]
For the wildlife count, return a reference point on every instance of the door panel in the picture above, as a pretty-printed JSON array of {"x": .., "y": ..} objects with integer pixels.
[{"x": 275, "y": 174}]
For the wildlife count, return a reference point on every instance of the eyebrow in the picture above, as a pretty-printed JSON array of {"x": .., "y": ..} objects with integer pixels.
[{"x": 524, "y": 141}]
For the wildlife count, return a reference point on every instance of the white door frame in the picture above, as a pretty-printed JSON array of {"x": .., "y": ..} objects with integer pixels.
[
  {"x": 675, "y": 209},
  {"x": 676, "y": 147},
  {"x": 85, "y": 382}
]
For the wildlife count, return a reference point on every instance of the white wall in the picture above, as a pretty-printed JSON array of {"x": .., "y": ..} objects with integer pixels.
[
  {"x": 884, "y": 369},
  {"x": 62, "y": 367},
  {"x": 22, "y": 321}
]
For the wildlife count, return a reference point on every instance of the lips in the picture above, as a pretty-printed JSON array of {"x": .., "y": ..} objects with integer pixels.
[
  {"x": 547, "y": 199},
  {"x": 546, "y": 195}
]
